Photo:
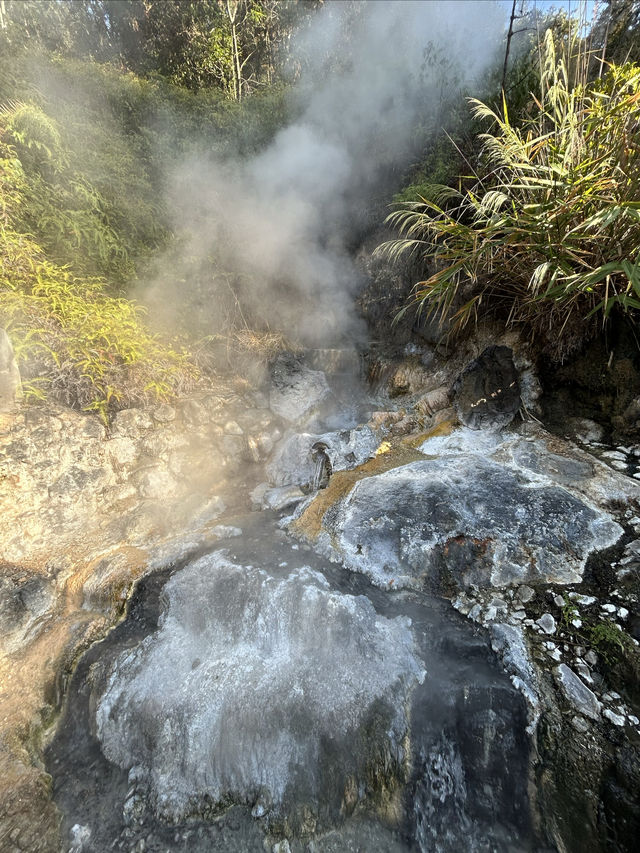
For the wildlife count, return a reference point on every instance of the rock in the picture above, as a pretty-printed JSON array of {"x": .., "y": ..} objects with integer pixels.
[
  {"x": 258, "y": 494},
  {"x": 233, "y": 428},
  {"x": 547, "y": 623},
  {"x": 409, "y": 377},
  {"x": 281, "y": 498},
  {"x": 580, "y": 724},
  {"x": 131, "y": 422},
  {"x": 585, "y": 430},
  {"x": 616, "y": 719},
  {"x": 9, "y": 375},
  {"x": 487, "y": 393},
  {"x": 281, "y": 847},
  {"x": 509, "y": 643},
  {"x": 525, "y": 593},
  {"x": 434, "y": 401},
  {"x": 467, "y": 517},
  {"x": 585, "y": 600},
  {"x": 591, "y": 657},
  {"x": 578, "y": 694},
  {"x": 296, "y": 390},
  {"x": 298, "y": 689},
  {"x": 294, "y": 461},
  {"x": 583, "y": 671},
  {"x": 155, "y": 482},
  {"x": 226, "y": 531},
  {"x": 80, "y": 837},
  {"x": 164, "y": 413}
]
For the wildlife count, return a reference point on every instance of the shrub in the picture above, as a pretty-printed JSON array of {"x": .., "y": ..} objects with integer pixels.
[
  {"x": 73, "y": 341},
  {"x": 76, "y": 344},
  {"x": 550, "y": 233}
]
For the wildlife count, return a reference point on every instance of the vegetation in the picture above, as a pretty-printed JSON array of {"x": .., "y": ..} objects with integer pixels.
[
  {"x": 549, "y": 232},
  {"x": 74, "y": 341},
  {"x": 85, "y": 151}
]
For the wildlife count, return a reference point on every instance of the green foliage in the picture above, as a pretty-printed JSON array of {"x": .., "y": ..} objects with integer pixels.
[
  {"x": 569, "y": 611},
  {"x": 73, "y": 341},
  {"x": 76, "y": 344},
  {"x": 609, "y": 641},
  {"x": 550, "y": 231}
]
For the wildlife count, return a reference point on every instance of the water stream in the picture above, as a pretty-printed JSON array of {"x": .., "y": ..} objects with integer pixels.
[{"x": 349, "y": 718}]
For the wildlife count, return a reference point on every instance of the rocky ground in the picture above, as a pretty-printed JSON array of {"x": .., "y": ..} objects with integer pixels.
[
  {"x": 86, "y": 511},
  {"x": 532, "y": 536}
]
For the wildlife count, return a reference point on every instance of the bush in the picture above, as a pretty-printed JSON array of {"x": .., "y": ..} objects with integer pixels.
[
  {"x": 73, "y": 341},
  {"x": 550, "y": 232}
]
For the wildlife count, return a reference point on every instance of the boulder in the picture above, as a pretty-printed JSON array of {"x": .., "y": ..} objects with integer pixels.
[
  {"x": 577, "y": 693},
  {"x": 295, "y": 459},
  {"x": 276, "y": 691},
  {"x": 477, "y": 509},
  {"x": 296, "y": 390},
  {"x": 487, "y": 392}
]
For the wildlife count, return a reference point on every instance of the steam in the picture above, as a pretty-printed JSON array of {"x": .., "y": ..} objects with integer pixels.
[{"x": 376, "y": 77}]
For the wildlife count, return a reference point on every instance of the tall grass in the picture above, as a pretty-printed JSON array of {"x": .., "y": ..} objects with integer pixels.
[{"x": 549, "y": 233}]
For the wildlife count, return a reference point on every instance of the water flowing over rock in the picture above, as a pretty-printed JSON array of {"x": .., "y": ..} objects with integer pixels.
[
  {"x": 482, "y": 510},
  {"x": 275, "y": 690}
]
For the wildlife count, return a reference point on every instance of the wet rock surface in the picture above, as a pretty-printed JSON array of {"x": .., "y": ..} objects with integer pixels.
[
  {"x": 268, "y": 686},
  {"x": 498, "y": 739},
  {"x": 489, "y": 513},
  {"x": 487, "y": 392},
  {"x": 456, "y": 795}
]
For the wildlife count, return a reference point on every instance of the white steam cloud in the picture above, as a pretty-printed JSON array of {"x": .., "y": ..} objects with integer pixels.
[{"x": 375, "y": 76}]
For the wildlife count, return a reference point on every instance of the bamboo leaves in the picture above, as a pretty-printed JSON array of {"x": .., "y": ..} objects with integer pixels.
[{"x": 555, "y": 222}]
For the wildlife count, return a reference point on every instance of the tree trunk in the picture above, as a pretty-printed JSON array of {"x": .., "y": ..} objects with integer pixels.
[
  {"x": 506, "y": 53},
  {"x": 237, "y": 67}
]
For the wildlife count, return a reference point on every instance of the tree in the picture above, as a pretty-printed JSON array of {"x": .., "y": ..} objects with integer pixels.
[{"x": 616, "y": 33}]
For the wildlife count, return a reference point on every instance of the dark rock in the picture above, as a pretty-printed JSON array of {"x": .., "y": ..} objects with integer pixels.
[
  {"x": 487, "y": 392},
  {"x": 296, "y": 391}
]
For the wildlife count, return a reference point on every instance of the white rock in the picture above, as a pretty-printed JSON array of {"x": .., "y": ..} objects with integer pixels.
[
  {"x": 608, "y": 608},
  {"x": 583, "y": 671},
  {"x": 262, "y": 673},
  {"x": 580, "y": 724},
  {"x": 546, "y": 623},
  {"x": 525, "y": 593},
  {"x": 233, "y": 428},
  {"x": 585, "y": 600},
  {"x": 578, "y": 694},
  {"x": 283, "y": 497},
  {"x": 614, "y": 454},
  {"x": 616, "y": 719}
]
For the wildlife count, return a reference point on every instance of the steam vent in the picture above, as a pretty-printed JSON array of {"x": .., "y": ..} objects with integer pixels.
[{"x": 319, "y": 426}]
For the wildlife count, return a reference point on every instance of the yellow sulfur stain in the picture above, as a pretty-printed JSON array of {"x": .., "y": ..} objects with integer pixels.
[{"x": 399, "y": 453}]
